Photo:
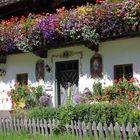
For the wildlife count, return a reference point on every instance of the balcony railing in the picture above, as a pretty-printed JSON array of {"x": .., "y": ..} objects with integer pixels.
[{"x": 7, "y": 2}]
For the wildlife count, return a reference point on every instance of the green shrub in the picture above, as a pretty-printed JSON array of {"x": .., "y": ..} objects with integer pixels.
[
  {"x": 33, "y": 99},
  {"x": 105, "y": 113},
  {"x": 97, "y": 88},
  {"x": 42, "y": 113}
]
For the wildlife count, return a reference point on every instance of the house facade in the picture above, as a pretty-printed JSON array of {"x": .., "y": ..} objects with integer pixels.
[
  {"x": 73, "y": 64},
  {"x": 69, "y": 50}
]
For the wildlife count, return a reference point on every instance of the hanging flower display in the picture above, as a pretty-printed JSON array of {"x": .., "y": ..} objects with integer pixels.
[{"x": 90, "y": 23}]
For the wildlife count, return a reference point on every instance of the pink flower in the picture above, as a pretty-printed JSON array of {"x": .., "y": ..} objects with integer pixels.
[
  {"x": 107, "y": 96},
  {"x": 119, "y": 90},
  {"x": 8, "y": 94},
  {"x": 104, "y": 83},
  {"x": 99, "y": 96},
  {"x": 15, "y": 84},
  {"x": 118, "y": 98}
]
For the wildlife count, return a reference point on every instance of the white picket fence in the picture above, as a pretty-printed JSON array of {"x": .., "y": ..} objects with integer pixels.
[{"x": 75, "y": 128}]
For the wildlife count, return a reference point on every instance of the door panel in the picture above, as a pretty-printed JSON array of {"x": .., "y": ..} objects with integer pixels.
[{"x": 66, "y": 72}]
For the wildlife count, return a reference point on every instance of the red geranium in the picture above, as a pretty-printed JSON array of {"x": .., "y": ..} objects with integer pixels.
[{"x": 107, "y": 96}]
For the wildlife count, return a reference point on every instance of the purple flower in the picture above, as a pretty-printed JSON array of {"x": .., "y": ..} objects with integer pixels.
[
  {"x": 78, "y": 98},
  {"x": 8, "y": 43},
  {"x": 44, "y": 100},
  {"x": 47, "y": 27}
]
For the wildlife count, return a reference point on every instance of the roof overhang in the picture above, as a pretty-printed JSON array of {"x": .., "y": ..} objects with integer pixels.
[{"x": 8, "y": 2}]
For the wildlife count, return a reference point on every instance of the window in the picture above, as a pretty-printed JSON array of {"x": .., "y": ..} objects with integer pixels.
[
  {"x": 22, "y": 78},
  {"x": 121, "y": 71}
]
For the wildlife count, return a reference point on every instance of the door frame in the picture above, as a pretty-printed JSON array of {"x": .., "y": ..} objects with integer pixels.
[{"x": 55, "y": 72}]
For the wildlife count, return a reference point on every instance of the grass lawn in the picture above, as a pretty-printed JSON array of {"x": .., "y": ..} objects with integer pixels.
[{"x": 25, "y": 136}]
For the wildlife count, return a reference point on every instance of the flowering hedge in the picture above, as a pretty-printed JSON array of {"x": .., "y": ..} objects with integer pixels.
[{"x": 89, "y": 23}]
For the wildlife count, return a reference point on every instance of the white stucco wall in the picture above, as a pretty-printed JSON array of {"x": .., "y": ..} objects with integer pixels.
[{"x": 122, "y": 51}]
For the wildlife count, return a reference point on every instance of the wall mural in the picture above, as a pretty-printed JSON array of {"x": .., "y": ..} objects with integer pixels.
[
  {"x": 39, "y": 70},
  {"x": 96, "y": 66}
]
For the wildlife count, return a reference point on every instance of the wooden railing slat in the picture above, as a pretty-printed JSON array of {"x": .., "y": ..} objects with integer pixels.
[{"x": 77, "y": 128}]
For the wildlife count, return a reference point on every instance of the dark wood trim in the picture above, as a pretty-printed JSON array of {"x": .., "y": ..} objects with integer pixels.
[
  {"x": 21, "y": 74},
  {"x": 8, "y": 2},
  {"x": 123, "y": 65},
  {"x": 124, "y": 35},
  {"x": 39, "y": 51}
]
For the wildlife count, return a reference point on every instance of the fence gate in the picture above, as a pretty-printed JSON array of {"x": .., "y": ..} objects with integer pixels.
[{"x": 67, "y": 75}]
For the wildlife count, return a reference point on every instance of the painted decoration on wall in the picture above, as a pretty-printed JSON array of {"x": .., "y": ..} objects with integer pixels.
[
  {"x": 96, "y": 66},
  {"x": 39, "y": 70}
]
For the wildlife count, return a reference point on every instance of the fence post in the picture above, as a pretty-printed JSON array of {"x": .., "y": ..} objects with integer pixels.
[
  {"x": 111, "y": 129},
  {"x": 7, "y": 124},
  {"x": 3, "y": 124},
  {"x": 18, "y": 125},
  {"x": 105, "y": 127},
  {"x": 34, "y": 126},
  {"x": 76, "y": 128},
  {"x": 90, "y": 128},
  {"x": 41, "y": 126},
  {"x": 95, "y": 130},
  {"x": 45, "y": 127},
  {"x": 29, "y": 126},
  {"x": 136, "y": 130},
  {"x": 80, "y": 128},
  {"x": 124, "y": 132},
  {"x": 1, "y": 128},
  {"x": 25, "y": 124},
  {"x": 50, "y": 126},
  {"x": 84, "y": 128},
  {"x": 100, "y": 129},
  {"x": 72, "y": 127},
  {"x": 117, "y": 130},
  {"x": 129, "y": 130}
]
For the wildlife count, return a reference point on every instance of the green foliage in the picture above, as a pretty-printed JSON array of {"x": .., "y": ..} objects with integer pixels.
[
  {"x": 26, "y": 95},
  {"x": 65, "y": 113},
  {"x": 97, "y": 88},
  {"x": 27, "y": 136},
  {"x": 105, "y": 113},
  {"x": 33, "y": 100},
  {"x": 42, "y": 113},
  {"x": 19, "y": 92},
  {"x": 122, "y": 90}
]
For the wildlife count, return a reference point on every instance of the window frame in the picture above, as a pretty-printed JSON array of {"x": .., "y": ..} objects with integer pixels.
[
  {"x": 123, "y": 67},
  {"x": 20, "y": 74}
]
